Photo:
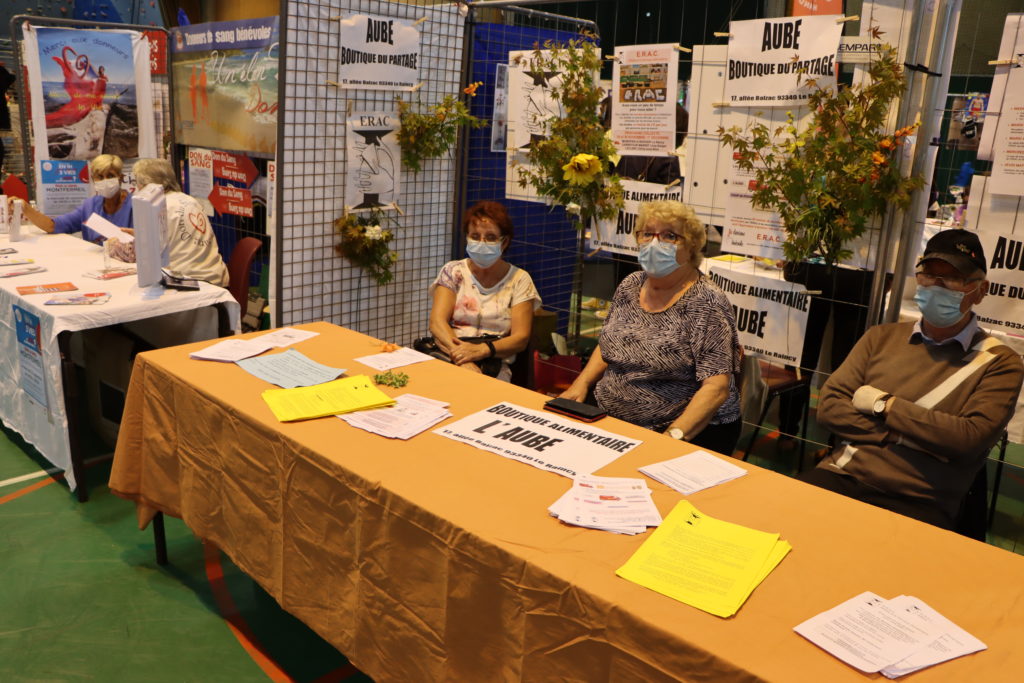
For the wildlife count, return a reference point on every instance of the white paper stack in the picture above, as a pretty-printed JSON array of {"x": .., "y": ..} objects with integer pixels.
[
  {"x": 410, "y": 415},
  {"x": 621, "y": 505},
  {"x": 895, "y": 637},
  {"x": 286, "y": 336},
  {"x": 231, "y": 350},
  {"x": 693, "y": 472},
  {"x": 382, "y": 362}
]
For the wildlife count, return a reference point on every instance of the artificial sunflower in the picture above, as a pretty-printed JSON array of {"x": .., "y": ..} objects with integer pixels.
[{"x": 581, "y": 169}]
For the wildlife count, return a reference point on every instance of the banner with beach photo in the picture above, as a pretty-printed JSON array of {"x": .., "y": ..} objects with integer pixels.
[
  {"x": 225, "y": 84},
  {"x": 90, "y": 94}
]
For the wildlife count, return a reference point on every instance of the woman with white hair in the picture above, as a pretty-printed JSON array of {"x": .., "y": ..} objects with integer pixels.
[
  {"x": 669, "y": 353},
  {"x": 110, "y": 202},
  {"x": 192, "y": 245}
]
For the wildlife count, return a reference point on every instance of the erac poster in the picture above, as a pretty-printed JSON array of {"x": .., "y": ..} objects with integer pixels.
[{"x": 644, "y": 91}]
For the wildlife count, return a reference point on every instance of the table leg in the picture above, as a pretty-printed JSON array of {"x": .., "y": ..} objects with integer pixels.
[
  {"x": 223, "y": 320},
  {"x": 159, "y": 539},
  {"x": 69, "y": 378}
]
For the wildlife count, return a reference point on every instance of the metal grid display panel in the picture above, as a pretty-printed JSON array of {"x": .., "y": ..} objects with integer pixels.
[
  {"x": 545, "y": 243},
  {"x": 315, "y": 284}
]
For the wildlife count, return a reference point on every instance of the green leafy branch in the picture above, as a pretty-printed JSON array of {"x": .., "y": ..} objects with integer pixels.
[
  {"x": 431, "y": 133},
  {"x": 829, "y": 180},
  {"x": 572, "y": 165}
]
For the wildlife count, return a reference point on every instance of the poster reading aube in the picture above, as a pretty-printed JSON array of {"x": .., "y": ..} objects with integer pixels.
[
  {"x": 378, "y": 53},
  {"x": 766, "y": 56}
]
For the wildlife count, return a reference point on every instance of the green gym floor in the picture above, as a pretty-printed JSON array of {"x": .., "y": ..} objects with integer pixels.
[{"x": 82, "y": 598}]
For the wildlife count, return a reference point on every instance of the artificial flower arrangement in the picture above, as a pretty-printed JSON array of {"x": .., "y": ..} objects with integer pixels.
[
  {"x": 829, "y": 180},
  {"x": 434, "y": 132},
  {"x": 365, "y": 243},
  {"x": 573, "y": 165}
]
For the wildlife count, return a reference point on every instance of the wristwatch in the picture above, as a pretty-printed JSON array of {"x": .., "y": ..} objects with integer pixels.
[
  {"x": 677, "y": 434},
  {"x": 879, "y": 407}
]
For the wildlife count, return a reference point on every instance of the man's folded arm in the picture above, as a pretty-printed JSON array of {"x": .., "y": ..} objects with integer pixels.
[{"x": 976, "y": 427}]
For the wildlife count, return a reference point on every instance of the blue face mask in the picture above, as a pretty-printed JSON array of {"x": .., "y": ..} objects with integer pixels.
[
  {"x": 658, "y": 259},
  {"x": 939, "y": 306},
  {"x": 483, "y": 254}
]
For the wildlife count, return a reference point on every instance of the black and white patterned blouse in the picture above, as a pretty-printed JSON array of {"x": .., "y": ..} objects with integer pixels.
[{"x": 657, "y": 361}]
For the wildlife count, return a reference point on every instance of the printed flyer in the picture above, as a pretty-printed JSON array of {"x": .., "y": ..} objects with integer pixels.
[
  {"x": 645, "y": 84},
  {"x": 65, "y": 184},
  {"x": 32, "y": 378}
]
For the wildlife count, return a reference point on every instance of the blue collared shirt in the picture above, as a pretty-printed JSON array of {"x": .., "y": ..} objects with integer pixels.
[
  {"x": 964, "y": 338},
  {"x": 75, "y": 220}
]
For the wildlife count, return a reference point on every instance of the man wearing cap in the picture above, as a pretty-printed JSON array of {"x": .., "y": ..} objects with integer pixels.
[{"x": 917, "y": 406}]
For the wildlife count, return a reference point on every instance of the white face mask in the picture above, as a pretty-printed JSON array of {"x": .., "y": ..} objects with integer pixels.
[{"x": 107, "y": 187}]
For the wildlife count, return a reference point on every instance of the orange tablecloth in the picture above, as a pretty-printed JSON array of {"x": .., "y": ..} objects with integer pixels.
[{"x": 433, "y": 560}]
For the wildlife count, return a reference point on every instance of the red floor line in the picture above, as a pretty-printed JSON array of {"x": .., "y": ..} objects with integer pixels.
[
  {"x": 30, "y": 488},
  {"x": 238, "y": 626}
]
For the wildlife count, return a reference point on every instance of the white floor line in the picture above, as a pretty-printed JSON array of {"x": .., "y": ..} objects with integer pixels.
[{"x": 45, "y": 473}]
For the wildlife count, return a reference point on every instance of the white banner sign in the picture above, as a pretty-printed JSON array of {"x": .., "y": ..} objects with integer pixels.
[
  {"x": 378, "y": 53},
  {"x": 372, "y": 180},
  {"x": 616, "y": 235},
  {"x": 544, "y": 440},
  {"x": 1003, "y": 308},
  {"x": 771, "y": 314},
  {"x": 765, "y": 56},
  {"x": 644, "y": 91}
]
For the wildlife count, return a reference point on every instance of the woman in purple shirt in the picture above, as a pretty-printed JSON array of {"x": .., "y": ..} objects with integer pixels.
[{"x": 110, "y": 202}]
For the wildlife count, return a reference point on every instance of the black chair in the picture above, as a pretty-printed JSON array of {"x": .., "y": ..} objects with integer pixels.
[
  {"x": 998, "y": 476},
  {"x": 780, "y": 380}
]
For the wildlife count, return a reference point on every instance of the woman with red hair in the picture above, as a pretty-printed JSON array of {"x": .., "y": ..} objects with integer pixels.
[{"x": 482, "y": 305}]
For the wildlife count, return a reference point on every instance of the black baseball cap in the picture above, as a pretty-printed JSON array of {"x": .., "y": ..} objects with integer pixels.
[{"x": 959, "y": 248}]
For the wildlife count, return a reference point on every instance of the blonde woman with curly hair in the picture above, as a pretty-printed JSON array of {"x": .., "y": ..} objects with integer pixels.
[{"x": 669, "y": 353}]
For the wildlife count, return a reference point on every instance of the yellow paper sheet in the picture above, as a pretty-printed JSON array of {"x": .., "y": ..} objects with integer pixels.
[
  {"x": 704, "y": 562},
  {"x": 729, "y": 258},
  {"x": 344, "y": 395}
]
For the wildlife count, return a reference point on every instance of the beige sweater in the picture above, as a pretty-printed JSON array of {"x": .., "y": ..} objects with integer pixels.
[{"x": 951, "y": 439}]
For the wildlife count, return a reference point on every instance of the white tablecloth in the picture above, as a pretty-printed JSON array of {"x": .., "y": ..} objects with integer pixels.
[{"x": 66, "y": 259}]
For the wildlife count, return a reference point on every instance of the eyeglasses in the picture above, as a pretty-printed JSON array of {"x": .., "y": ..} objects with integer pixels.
[
  {"x": 953, "y": 282},
  {"x": 666, "y": 237},
  {"x": 489, "y": 239}
]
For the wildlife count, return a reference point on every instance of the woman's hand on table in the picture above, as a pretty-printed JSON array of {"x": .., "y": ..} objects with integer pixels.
[{"x": 575, "y": 392}]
